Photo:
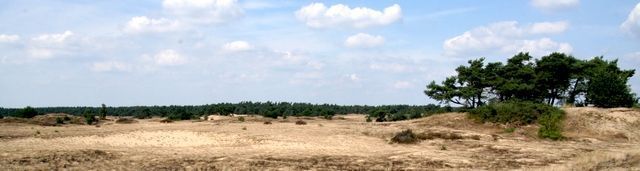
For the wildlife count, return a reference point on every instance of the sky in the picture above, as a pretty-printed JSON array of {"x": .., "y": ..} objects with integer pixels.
[{"x": 192, "y": 52}]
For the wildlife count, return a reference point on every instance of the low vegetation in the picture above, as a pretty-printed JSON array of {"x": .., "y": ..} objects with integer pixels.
[
  {"x": 519, "y": 113},
  {"x": 301, "y": 122},
  {"x": 405, "y": 137}
]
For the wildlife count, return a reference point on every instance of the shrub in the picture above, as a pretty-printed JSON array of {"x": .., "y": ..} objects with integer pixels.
[
  {"x": 59, "y": 120},
  {"x": 550, "y": 125},
  {"x": 66, "y": 118},
  {"x": 27, "y": 112},
  {"x": 405, "y": 137},
  {"x": 89, "y": 118},
  {"x": 522, "y": 113},
  {"x": 241, "y": 119},
  {"x": 513, "y": 112},
  {"x": 267, "y": 123},
  {"x": 126, "y": 120},
  {"x": 301, "y": 122},
  {"x": 368, "y": 119},
  {"x": 509, "y": 130}
]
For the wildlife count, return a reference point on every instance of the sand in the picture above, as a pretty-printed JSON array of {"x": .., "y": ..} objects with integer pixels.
[{"x": 599, "y": 139}]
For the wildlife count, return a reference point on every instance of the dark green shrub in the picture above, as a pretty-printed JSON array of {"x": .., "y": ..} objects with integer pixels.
[
  {"x": 514, "y": 112},
  {"x": 66, "y": 118},
  {"x": 27, "y": 112},
  {"x": 89, "y": 118},
  {"x": 522, "y": 113},
  {"x": 368, "y": 119},
  {"x": 397, "y": 117},
  {"x": 550, "y": 125},
  {"x": 241, "y": 119},
  {"x": 180, "y": 114},
  {"x": 59, "y": 121}
]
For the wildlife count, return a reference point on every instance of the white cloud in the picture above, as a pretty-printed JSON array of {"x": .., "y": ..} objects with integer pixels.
[
  {"x": 544, "y": 46},
  {"x": 364, "y": 40},
  {"x": 506, "y": 38},
  {"x": 315, "y": 64},
  {"x": 353, "y": 77},
  {"x": 237, "y": 46},
  {"x": 5, "y": 38},
  {"x": 317, "y": 15},
  {"x": 390, "y": 67},
  {"x": 204, "y": 11},
  {"x": 554, "y": 4},
  {"x": 632, "y": 24},
  {"x": 402, "y": 84},
  {"x": 169, "y": 57},
  {"x": 141, "y": 24},
  {"x": 549, "y": 27},
  {"x": 109, "y": 66},
  {"x": 47, "y": 46},
  {"x": 53, "y": 38}
]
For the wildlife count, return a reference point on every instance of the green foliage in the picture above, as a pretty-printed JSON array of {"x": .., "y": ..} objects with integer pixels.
[
  {"x": 551, "y": 125},
  {"x": 368, "y": 118},
  {"x": 608, "y": 87},
  {"x": 59, "y": 120},
  {"x": 180, "y": 114},
  {"x": 553, "y": 79},
  {"x": 66, "y": 118},
  {"x": 103, "y": 111},
  {"x": 27, "y": 112},
  {"x": 241, "y": 119},
  {"x": 509, "y": 130},
  {"x": 266, "y": 109},
  {"x": 143, "y": 114},
  {"x": 521, "y": 113},
  {"x": 89, "y": 118}
]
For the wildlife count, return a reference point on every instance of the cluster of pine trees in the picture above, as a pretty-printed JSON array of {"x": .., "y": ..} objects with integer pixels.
[{"x": 555, "y": 79}]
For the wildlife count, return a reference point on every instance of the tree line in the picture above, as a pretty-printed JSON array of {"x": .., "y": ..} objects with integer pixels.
[
  {"x": 267, "y": 109},
  {"x": 555, "y": 79}
]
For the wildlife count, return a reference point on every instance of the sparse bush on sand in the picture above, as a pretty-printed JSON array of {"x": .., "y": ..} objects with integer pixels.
[
  {"x": 301, "y": 122},
  {"x": 267, "y": 123},
  {"x": 405, "y": 137},
  {"x": 126, "y": 120},
  {"x": 59, "y": 120},
  {"x": 241, "y": 119}
]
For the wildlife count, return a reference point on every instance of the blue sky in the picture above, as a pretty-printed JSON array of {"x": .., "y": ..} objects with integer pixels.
[{"x": 162, "y": 52}]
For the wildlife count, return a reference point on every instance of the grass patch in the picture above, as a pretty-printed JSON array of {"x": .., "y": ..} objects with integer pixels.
[{"x": 510, "y": 130}]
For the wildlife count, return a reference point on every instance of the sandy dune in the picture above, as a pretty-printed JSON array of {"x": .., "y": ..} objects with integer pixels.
[{"x": 599, "y": 139}]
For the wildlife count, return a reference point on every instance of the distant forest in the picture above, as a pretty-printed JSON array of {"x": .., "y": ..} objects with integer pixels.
[{"x": 267, "y": 109}]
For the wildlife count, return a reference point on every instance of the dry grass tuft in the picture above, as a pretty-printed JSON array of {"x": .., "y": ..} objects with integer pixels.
[
  {"x": 166, "y": 120},
  {"x": 405, "y": 137},
  {"x": 301, "y": 122},
  {"x": 443, "y": 135},
  {"x": 126, "y": 120},
  {"x": 267, "y": 122}
]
